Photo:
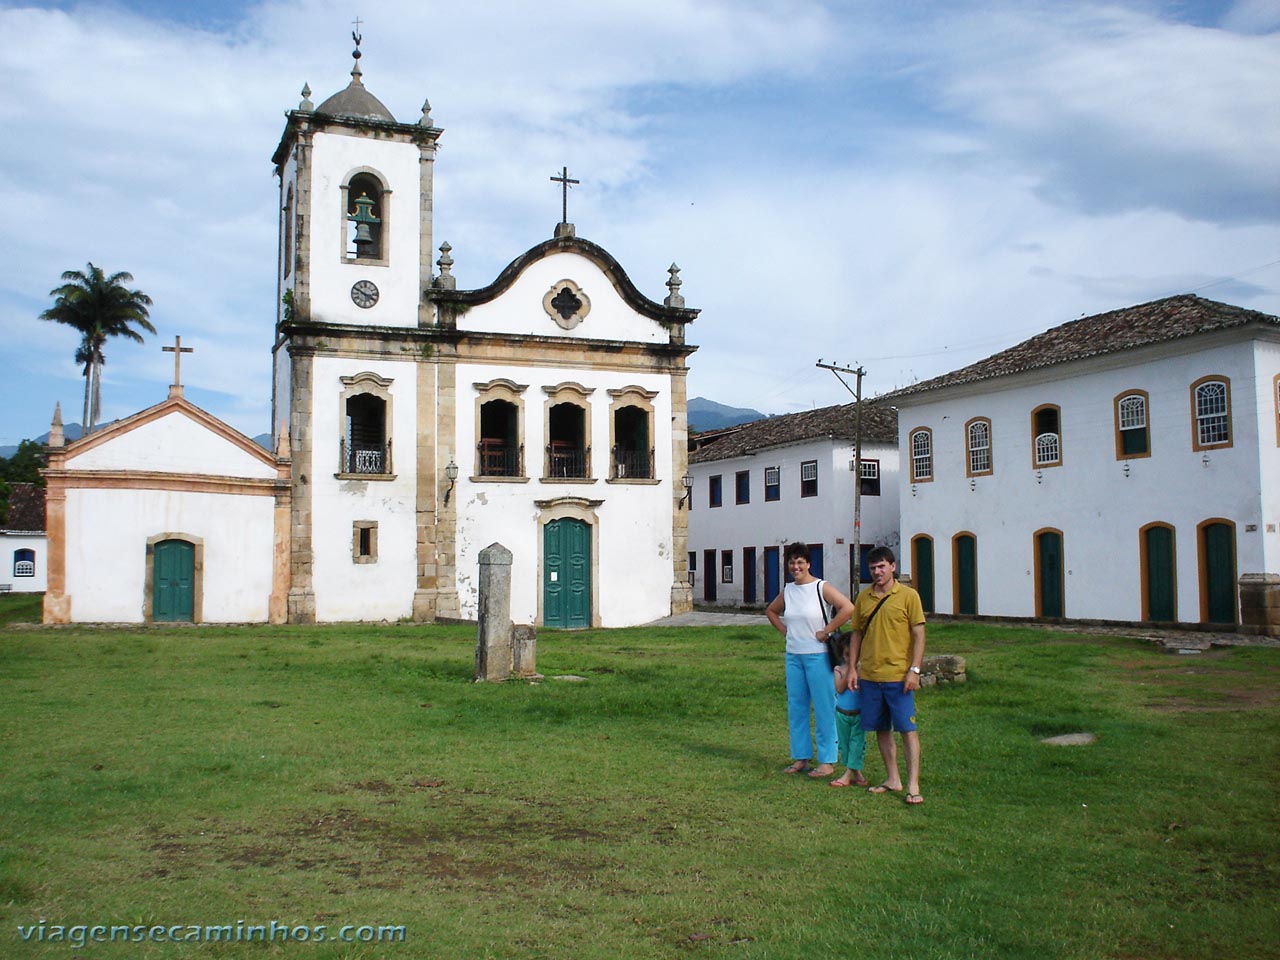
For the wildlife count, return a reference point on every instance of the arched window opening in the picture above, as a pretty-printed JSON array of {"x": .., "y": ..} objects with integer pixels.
[
  {"x": 632, "y": 452},
  {"x": 499, "y": 447},
  {"x": 921, "y": 455},
  {"x": 366, "y": 448},
  {"x": 567, "y": 449},
  {"x": 978, "y": 442},
  {"x": 1213, "y": 414},
  {"x": 365, "y": 218},
  {"x": 1133, "y": 437},
  {"x": 24, "y": 563},
  {"x": 1046, "y": 427}
]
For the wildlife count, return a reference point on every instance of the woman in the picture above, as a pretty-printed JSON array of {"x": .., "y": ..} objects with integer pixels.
[{"x": 801, "y": 617}]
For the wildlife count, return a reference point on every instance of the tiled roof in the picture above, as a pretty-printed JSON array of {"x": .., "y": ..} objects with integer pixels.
[
  {"x": 26, "y": 507},
  {"x": 1160, "y": 321},
  {"x": 879, "y": 425}
]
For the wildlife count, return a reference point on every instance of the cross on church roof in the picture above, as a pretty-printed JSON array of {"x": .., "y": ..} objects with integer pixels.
[
  {"x": 564, "y": 181},
  {"x": 175, "y": 389}
]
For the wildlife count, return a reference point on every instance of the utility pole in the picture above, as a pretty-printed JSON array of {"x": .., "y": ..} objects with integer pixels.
[{"x": 855, "y": 575}]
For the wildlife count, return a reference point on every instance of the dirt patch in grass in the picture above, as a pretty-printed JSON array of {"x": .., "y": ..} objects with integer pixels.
[{"x": 1205, "y": 686}]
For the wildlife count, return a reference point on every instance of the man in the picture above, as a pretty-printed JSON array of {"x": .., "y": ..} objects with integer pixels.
[{"x": 886, "y": 651}]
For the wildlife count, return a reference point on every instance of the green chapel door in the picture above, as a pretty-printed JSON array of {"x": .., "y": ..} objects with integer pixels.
[
  {"x": 966, "y": 560},
  {"x": 1049, "y": 591},
  {"x": 1218, "y": 572},
  {"x": 922, "y": 570},
  {"x": 1157, "y": 574},
  {"x": 566, "y": 574},
  {"x": 173, "y": 583}
]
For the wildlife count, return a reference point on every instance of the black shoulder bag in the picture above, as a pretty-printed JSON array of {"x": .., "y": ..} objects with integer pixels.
[{"x": 836, "y": 642}]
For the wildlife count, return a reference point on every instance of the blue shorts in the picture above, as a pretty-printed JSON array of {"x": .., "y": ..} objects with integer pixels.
[{"x": 885, "y": 702}]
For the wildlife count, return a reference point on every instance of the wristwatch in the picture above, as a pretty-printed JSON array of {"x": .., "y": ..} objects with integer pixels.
[{"x": 915, "y": 670}]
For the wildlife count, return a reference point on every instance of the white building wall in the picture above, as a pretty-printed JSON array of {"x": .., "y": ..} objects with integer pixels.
[
  {"x": 334, "y": 158},
  {"x": 826, "y": 518},
  {"x": 634, "y": 521},
  {"x": 173, "y": 443},
  {"x": 1089, "y": 497},
  {"x": 519, "y": 310},
  {"x": 10, "y": 544},
  {"x": 1267, "y": 378},
  {"x": 345, "y": 590},
  {"x": 106, "y": 558}
]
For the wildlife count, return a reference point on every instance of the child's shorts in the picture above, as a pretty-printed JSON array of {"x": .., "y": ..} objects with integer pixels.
[{"x": 886, "y": 703}]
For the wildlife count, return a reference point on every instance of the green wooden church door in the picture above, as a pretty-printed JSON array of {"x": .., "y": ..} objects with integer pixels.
[
  {"x": 566, "y": 576},
  {"x": 173, "y": 584}
]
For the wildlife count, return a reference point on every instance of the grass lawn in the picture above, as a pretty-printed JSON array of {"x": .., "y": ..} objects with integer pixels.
[{"x": 354, "y": 775}]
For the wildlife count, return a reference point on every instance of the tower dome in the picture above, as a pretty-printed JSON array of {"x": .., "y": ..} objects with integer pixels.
[{"x": 355, "y": 101}]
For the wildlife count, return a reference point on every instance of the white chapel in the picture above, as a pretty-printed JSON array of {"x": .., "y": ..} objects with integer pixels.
[{"x": 415, "y": 424}]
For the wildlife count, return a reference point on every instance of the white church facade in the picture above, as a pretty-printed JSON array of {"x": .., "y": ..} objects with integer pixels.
[
  {"x": 415, "y": 423},
  {"x": 1124, "y": 466}
]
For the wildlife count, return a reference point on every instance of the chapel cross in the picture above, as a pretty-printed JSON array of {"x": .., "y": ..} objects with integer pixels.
[
  {"x": 564, "y": 181},
  {"x": 177, "y": 350}
]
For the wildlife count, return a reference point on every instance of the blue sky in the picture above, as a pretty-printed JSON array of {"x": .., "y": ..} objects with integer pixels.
[{"x": 909, "y": 186}]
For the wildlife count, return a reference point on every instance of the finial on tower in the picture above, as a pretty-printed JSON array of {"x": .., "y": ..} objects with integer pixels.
[
  {"x": 306, "y": 104},
  {"x": 445, "y": 280},
  {"x": 358, "y": 37},
  {"x": 673, "y": 298},
  {"x": 426, "y": 120},
  {"x": 56, "y": 439}
]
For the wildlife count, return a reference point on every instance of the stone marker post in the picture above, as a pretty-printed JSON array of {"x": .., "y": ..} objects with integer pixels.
[{"x": 493, "y": 618}]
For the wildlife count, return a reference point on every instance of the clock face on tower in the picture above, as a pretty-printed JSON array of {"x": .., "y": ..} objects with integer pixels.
[{"x": 364, "y": 293}]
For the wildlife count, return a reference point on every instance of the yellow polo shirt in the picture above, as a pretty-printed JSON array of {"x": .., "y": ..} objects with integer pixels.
[{"x": 886, "y": 647}]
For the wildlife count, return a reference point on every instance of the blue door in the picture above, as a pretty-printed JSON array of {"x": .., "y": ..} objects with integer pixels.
[
  {"x": 815, "y": 559},
  {"x": 566, "y": 574},
  {"x": 772, "y": 568}
]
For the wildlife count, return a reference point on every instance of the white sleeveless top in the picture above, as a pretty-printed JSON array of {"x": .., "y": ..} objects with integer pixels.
[{"x": 804, "y": 614}]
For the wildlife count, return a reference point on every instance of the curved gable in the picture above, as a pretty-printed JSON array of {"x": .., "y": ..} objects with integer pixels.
[{"x": 594, "y": 267}]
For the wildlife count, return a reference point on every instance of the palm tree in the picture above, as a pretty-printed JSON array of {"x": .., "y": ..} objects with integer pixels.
[{"x": 99, "y": 307}]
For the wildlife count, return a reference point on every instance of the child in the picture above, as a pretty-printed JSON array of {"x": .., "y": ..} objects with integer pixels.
[{"x": 852, "y": 743}]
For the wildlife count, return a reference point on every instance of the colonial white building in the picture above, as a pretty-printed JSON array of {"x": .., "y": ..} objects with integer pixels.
[
  {"x": 417, "y": 423},
  {"x": 23, "y": 543},
  {"x": 1124, "y": 466},
  {"x": 764, "y": 484}
]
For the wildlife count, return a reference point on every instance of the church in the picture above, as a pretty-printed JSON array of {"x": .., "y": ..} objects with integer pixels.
[{"x": 414, "y": 424}]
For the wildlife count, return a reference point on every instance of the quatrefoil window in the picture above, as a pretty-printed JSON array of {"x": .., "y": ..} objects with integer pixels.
[{"x": 566, "y": 304}]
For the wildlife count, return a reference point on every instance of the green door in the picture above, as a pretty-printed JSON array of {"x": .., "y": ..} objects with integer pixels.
[
  {"x": 966, "y": 574},
  {"x": 173, "y": 583},
  {"x": 922, "y": 570},
  {"x": 1049, "y": 573},
  {"x": 566, "y": 574},
  {"x": 1218, "y": 548},
  {"x": 1157, "y": 544}
]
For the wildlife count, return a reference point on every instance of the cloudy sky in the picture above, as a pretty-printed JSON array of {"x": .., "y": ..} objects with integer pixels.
[{"x": 910, "y": 185}]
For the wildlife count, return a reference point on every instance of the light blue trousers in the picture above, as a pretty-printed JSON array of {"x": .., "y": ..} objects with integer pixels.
[{"x": 810, "y": 684}]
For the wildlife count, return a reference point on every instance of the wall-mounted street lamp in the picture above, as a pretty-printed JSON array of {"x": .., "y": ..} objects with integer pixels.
[
  {"x": 451, "y": 471},
  {"x": 687, "y": 480},
  {"x": 1204, "y": 461}
]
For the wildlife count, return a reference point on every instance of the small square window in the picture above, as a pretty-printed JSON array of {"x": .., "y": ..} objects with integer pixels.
[
  {"x": 364, "y": 541},
  {"x": 809, "y": 478},
  {"x": 772, "y": 483}
]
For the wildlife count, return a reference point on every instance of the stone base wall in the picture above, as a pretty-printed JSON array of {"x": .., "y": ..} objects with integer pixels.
[
  {"x": 942, "y": 669},
  {"x": 1260, "y": 603}
]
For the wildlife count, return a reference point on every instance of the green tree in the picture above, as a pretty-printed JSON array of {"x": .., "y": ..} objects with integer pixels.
[
  {"x": 98, "y": 307},
  {"x": 23, "y": 467}
]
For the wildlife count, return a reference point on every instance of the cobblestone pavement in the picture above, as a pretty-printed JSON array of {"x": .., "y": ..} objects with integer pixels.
[{"x": 1172, "y": 639}]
